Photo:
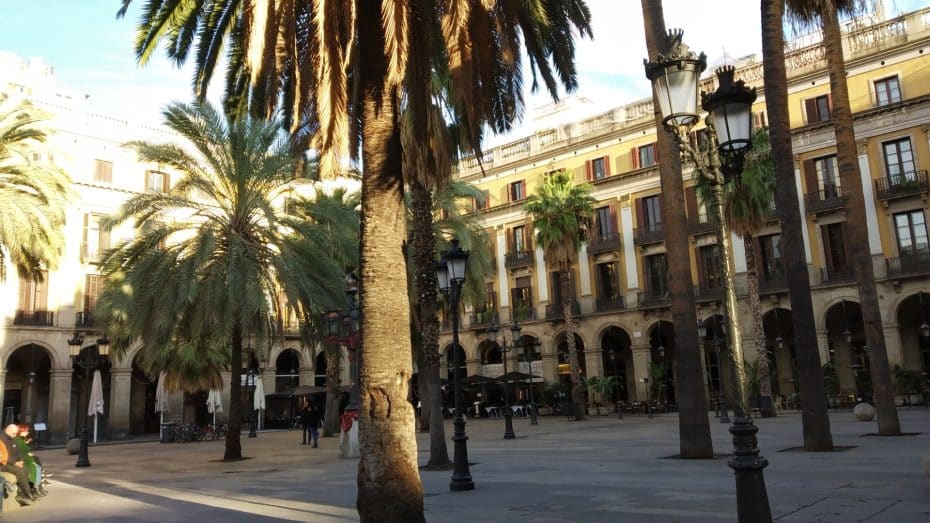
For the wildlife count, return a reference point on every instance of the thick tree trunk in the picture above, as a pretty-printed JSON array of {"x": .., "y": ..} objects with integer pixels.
[
  {"x": 389, "y": 486},
  {"x": 578, "y": 385},
  {"x": 814, "y": 419},
  {"x": 694, "y": 427},
  {"x": 425, "y": 284},
  {"x": 850, "y": 177},
  {"x": 331, "y": 426},
  {"x": 767, "y": 408},
  {"x": 233, "y": 444}
]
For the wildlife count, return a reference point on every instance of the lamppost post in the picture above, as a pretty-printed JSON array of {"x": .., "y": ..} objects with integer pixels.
[
  {"x": 505, "y": 349},
  {"x": 253, "y": 414},
  {"x": 528, "y": 358},
  {"x": 675, "y": 77},
  {"x": 88, "y": 361},
  {"x": 450, "y": 272}
]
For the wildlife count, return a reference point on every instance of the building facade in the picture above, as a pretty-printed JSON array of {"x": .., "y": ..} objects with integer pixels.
[{"x": 620, "y": 283}]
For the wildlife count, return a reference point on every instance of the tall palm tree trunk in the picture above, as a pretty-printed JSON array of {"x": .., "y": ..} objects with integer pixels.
[
  {"x": 767, "y": 408},
  {"x": 814, "y": 420},
  {"x": 850, "y": 177},
  {"x": 331, "y": 425},
  {"x": 389, "y": 486},
  {"x": 425, "y": 283},
  {"x": 693, "y": 425},
  {"x": 567, "y": 299},
  {"x": 233, "y": 444}
]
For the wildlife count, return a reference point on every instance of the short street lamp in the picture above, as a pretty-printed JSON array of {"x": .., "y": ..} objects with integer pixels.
[
  {"x": 675, "y": 78},
  {"x": 450, "y": 271},
  {"x": 89, "y": 359},
  {"x": 505, "y": 349}
]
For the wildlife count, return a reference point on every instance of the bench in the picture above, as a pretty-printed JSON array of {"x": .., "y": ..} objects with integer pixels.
[{"x": 8, "y": 504}]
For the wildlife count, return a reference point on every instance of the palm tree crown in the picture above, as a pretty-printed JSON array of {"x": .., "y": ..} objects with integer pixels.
[{"x": 562, "y": 213}]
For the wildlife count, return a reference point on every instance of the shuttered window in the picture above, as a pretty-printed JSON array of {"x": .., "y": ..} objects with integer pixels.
[{"x": 103, "y": 171}]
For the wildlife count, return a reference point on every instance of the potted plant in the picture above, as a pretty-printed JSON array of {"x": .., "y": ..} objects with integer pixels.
[
  {"x": 601, "y": 386},
  {"x": 908, "y": 383},
  {"x": 522, "y": 310}
]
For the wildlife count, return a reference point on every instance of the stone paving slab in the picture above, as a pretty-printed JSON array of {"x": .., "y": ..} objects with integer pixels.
[{"x": 598, "y": 470}]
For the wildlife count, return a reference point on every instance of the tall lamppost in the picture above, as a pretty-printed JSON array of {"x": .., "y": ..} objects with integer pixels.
[
  {"x": 505, "y": 349},
  {"x": 675, "y": 77},
  {"x": 450, "y": 271},
  {"x": 251, "y": 377},
  {"x": 89, "y": 360}
]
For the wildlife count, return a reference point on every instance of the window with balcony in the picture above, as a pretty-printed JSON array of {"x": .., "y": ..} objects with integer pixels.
[
  {"x": 607, "y": 282},
  {"x": 156, "y": 181},
  {"x": 711, "y": 267},
  {"x": 92, "y": 284},
  {"x": 519, "y": 239},
  {"x": 818, "y": 108},
  {"x": 911, "y": 233},
  {"x": 521, "y": 297},
  {"x": 828, "y": 177},
  {"x": 887, "y": 91},
  {"x": 517, "y": 191},
  {"x": 656, "y": 272},
  {"x": 602, "y": 221},
  {"x": 32, "y": 308},
  {"x": 836, "y": 261},
  {"x": 771, "y": 258},
  {"x": 96, "y": 238},
  {"x": 899, "y": 161},
  {"x": 103, "y": 171},
  {"x": 652, "y": 213}
]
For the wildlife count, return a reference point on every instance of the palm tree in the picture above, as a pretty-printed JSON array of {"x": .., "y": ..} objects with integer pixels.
[
  {"x": 828, "y": 12},
  {"x": 339, "y": 71},
  {"x": 32, "y": 197},
  {"x": 814, "y": 419},
  {"x": 694, "y": 427},
  {"x": 562, "y": 213},
  {"x": 200, "y": 279},
  {"x": 745, "y": 205}
]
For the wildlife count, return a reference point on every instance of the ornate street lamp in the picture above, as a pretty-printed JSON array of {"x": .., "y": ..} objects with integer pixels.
[
  {"x": 450, "y": 271},
  {"x": 527, "y": 354},
  {"x": 779, "y": 342},
  {"x": 847, "y": 335},
  {"x": 675, "y": 78},
  {"x": 344, "y": 328},
  {"x": 88, "y": 359},
  {"x": 505, "y": 349}
]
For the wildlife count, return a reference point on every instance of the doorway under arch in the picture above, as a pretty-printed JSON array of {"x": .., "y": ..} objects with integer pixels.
[
  {"x": 287, "y": 370},
  {"x": 27, "y": 384},
  {"x": 661, "y": 385},
  {"x": 617, "y": 357},
  {"x": 142, "y": 416},
  {"x": 849, "y": 359},
  {"x": 564, "y": 368}
]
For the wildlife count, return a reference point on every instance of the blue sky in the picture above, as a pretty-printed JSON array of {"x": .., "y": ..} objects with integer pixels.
[{"x": 92, "y": 51}]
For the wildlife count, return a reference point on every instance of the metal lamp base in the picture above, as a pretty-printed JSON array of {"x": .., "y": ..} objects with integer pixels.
[
  {"x": 752, "y": 500},
  {"x": 508, "y": 425}
]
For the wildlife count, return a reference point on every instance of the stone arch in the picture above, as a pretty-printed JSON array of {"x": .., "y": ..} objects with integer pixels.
[
  {"x": 660, "y": 336},
  {"x": 563, "y": 370},
  {"x": 286, "y": 363},
  {"x": 913, "y": 324},
  {"x": 304, "y": 359},
  {"x": 55, "y": 357},
  {"x": 27, "y": 384},
  {"x": 616, "y": 347},
  {"x": 447, "y": 361},
  {"x": 829, "y": 304},
  {"x": 849, "y": 361},
  {"x": 778, "y": 326}
]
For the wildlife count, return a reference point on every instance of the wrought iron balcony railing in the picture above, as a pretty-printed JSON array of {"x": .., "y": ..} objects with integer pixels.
[
  {"x": 902, "y": 185},
  {"x": 909, "y": 264},
  {"x": 554, "y": 310},
  {"x": 827, "y": 200},
  {"x": 484, "y": 318},
  {"x": 34, "y": 318},
  {"x": 652, "y": 299},
  {"x": 519, "y": 259},
  {"x": 604, "y": 243},
  {"x": 85, "y": 320},
  {"x": 774, "y": 281},
  {"x": 837, "y": 274},
  {"x": 708, "y": 291},
  {"x": 651, "y": 234},
  {"x": 701, "y": 224},
  {"x": 524, "y": 314},
  {"x": 614, "y": 303}
]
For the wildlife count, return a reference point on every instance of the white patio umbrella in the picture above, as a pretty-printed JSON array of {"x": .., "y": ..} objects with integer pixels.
[
  {"x": 161, "y": 398},
  {"x": 95, "y": 407},
  {"x": 215, "y": 403},
  {"x": 258, "y": 402}
]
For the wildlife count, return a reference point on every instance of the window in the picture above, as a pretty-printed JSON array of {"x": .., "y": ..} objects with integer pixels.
[
  {"x": 96, "y": 238},
  {"x": 771, "y": 256},
  {"x": 818, "y": 109},
  {"x": 647, "y": 155},
  {"x": 517, "y": 191},
  {"x": 555, "y": 277},
  {"x": 103, "y": 171},
  {"x": 759, "y": 120},
  {"x": 598, "y": 168},
  {"x": 711, "y": 267},
  {"x": 887, "y": 91},
  {"x": 652, "y": 213},
  {"x": 522, "y": 294},
  {"x": 603, "y": 218},
  {"x": 33, "y": 295},
  {"x": 519, "y": 238},
  {"x": 911, "y": 230},
  {"x": 608, "y": 284},
  {"x": 828, "y": 179},
  {"x": 156, "y": 181},
  {"x": 834, "y": 247},
  {"x": 656, "y": 270},
  {"x": 482, "y": 203},
  {"x": 899, "y": 161}
]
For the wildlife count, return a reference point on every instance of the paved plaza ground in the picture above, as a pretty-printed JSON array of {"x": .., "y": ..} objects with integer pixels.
[{"x": 601, "y": 469}]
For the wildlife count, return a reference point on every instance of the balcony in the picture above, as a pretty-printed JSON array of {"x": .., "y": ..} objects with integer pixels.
[
  {"x": 773, "y": 282},
  {"x": 290, "y": 328},
  {"x": 481, "y": 319},
  {"x": 604, "y": 243},
  {"x": 518, "y": 259},
  {"x": 554, "y": 311},
  {"x": 90, "y": 253},
  {"x": 902, "y": 185},
  {"x": 34, "y": 318},
  {"x": 85, "y": 320},
  {"x": 701, "y": 224},
  {"x": 708, "y": 292},
  {"x": 830, "y": 199},
  {"x": 652, "y": 299},
  {"x": 837, "y": 274},
  {"x": 909, "y": 264},
  {"x": 651, "y": 234},
  {"x": 605, "y": 304},
  {"x": 522, "y": 314}
]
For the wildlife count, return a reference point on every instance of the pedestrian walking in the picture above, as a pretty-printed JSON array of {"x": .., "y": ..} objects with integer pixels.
[
  {"x": 315, "y": 418},
  {"x": 304, "y": 416}
]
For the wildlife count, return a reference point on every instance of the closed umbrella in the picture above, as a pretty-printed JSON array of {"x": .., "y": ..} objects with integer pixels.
[
  {"x": 95, "y": 407},
  {"x": 161, "y": 398},
  {"x": 258, "y": 402},
  {"x": 215, "y": 403}
]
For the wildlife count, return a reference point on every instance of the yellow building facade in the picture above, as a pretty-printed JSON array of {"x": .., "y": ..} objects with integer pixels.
[{"x": 620, "y": 281}]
